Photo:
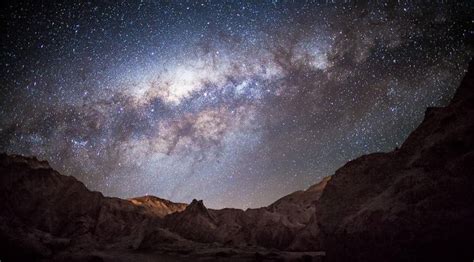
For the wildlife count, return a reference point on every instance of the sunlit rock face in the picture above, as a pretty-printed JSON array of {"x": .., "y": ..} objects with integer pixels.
[{"x": 157, "y": 206}]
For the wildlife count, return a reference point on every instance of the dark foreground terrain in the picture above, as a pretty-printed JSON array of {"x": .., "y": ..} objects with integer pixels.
[{"x": 412, "y": 204}]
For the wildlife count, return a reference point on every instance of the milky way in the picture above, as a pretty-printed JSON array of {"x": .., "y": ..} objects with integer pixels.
[{"x": 235, "y": 103}]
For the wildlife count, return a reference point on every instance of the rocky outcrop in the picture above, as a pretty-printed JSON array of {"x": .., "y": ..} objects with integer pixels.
[
  {"x": 194, "y": 223},
  {"x": 415, "y": 203}
]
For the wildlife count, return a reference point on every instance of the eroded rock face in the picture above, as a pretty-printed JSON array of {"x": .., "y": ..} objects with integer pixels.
[{"x": 415, "y": 203}]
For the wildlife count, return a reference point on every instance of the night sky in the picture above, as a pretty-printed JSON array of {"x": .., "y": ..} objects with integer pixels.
[{"x": 235, "y": 103}]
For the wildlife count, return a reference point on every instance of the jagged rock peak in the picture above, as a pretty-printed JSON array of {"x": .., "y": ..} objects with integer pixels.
[{"x": 197, "y": 206}]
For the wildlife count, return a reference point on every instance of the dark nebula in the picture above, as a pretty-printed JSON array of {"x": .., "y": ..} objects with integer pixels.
[{"x": 236, "y": 103}]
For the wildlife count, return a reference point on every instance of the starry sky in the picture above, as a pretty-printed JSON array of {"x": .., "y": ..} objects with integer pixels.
[{"x": 233, "y": 102}]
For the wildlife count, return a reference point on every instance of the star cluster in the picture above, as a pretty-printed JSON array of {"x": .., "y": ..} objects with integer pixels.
[{"x": 237, "y": 103}]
